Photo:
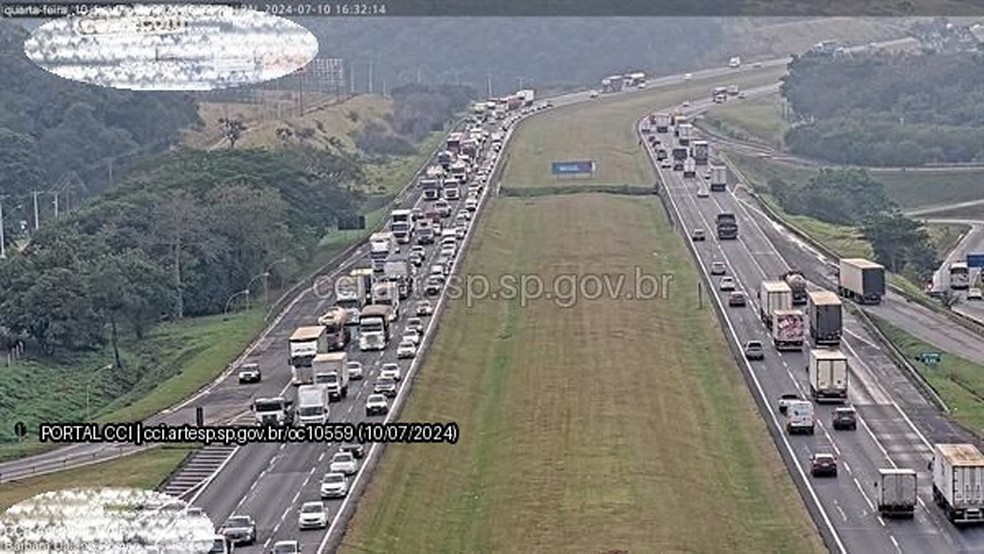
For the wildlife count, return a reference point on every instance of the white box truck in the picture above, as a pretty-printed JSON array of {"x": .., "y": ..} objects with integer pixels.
[
  {"x": 788, "y": 329},
  {"x": 958, "y": 482},
  {"x": 685, "y": 133},
  {"x": 828, "y": 370},
  {"x": 304, "y": 344},
  {"x": 381, "y": 246},
  {"x": 374, "y": 327},
  {"x": 772, "y": 296},
  {"x": 799, "y": 417},
  {"x": 528, "y": 95},
  {"x": 719, "y": 178},
  {"x": 387, "y": 293},
  {"x": 331, "y": 372},
  {"x": 897, "y": 492},
  {"x": 401, "y": 225},
  {"x": 689, "y": 168},
  {"x": 312, "y": 404},
  {"x": 861, "y": 280}
]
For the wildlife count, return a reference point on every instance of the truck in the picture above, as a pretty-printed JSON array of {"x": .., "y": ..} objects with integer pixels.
[
  {"x": 828, "y": 370},
  {"x": 304, "y": 344},
  {"x": 685, "y": 133},
  {"x": 527, "y": 96},
  {"x": 689, "y": 168},
  {"x": 397, "y": 270},
  {"x": 897, "y": 492},
  {"x": 514, "y": 102},
  {"x": 861, "y": 280},
  {"x": 350, "y": 294},
  {"x": 958, "y": 482},
  {"x": 799, "y": 417},
  {"x": 312, "y": 404},
  {"x": 719, "y": 178},
  {"x": 401, "y": 225},
  {"x": 382, "y": 245},
  {"x": 444, "y": 159},
  {"x": 637, "y": 79},
  {"x": 460, "y": 171},
  {"x": 334, "y": 320},
  {"x": 719, "y": 95},
  {"x": 727, "y": 226},
  {"x": 773, "y": 296},
  {"x": 679, "y": 153},
  {"x": 797, "y": 282},
  {"x": 453, "y": 143},
  {"x": 612, "y": 83},
  {"x": 450, "y": 190},
  {"x": 700, "y": 151},
  {"x": 388, "y": 294},
  {"x": 824, "y": 311},
  {"x": 331, "y": 372},
  {"x": 733, "y": 90},
  {"x": 735, "y": 62},
  {"x": 374, "y": 327},
  {"x": 661, "y": 122},
  {"x": 431, "y": 188},
  {"x": 788, "y": 329},
  {"x": 274, "y": 411},
  {"x": 436, "y": 171}
]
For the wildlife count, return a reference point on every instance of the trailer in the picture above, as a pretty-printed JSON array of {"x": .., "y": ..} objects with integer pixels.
[
  {"x": 685, "y": 133},
  {"x": 828, "y": 371},
  {"x": 861, "y": 280},
  {"x": 719, "y": 178},
  {"x": 897, "y": 492},
  {"x": 787, "y": 330},
  {"x": 700, "y": 152},
  {"x": 958, "y": 482},
  {"x": 772, "y": 296},
  {"x": 826, "y": 320}
]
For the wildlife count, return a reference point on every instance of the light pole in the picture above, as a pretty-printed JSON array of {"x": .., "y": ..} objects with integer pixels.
[
  {"x": 233, "y": 297},
  {"x": 88, "y": 384},
  {"x": 3, "y": 245},
  {"x": 263, "y": 276}
]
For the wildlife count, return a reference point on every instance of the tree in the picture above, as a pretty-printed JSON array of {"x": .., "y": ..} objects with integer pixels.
[
  {"x": 232, "y": 130},
  {"x": 21, "y": 168}
]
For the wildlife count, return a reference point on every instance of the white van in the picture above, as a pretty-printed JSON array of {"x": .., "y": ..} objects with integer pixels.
[
  {"x": 312, "y": 405},
  {"x": 799, "y": 417}
]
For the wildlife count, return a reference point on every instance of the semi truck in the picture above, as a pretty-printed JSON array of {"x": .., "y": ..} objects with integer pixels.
[
  {"x": 700, "y": 152},
  {"x": 828, "y": 370},
  {"x": 689, "y": 168},
  {"x": 685, "y": 133},
  {"x": 334, "y": 321},
  {"x": 273, "y": 411},
  {"x": 727, "y": 226},
  {"x": 788, "y": 330},
  {"x": 401, "y": 225},
  {"x": 661, "y": 121},
  {"x": 799, "y": 417},
  {"x": 431, "y": 188},
  {"x": 312, "y": 404},
  {"x": 374, "y": 327},
  {"x": 397, "y": 270},
  {"x": 453, "y": 144},
  {"x": 304, "y": 344},
  {"x": 382, "y": 245},
  {"x": 773, "y": 296},
  {"x": 612, "y": 83},
  {"x": 861, "y": 280},
  {"x": 797, "y": 283},
  {"x": 388, "y": 294},
  {"x": 958, "y": 482},
  {"x": 897, "y": 492},
  {"x": 719, "y": 178},
  {"x": 351, "y": 293},
  {"x": 679, "y": 153},
  {"x": 331, "y": 372},
  {"x": 826, "y": 321},
  {"x": 527, "y": 95}
]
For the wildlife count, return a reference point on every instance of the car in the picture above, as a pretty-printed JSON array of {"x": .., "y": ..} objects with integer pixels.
[
  {"x": 220, "y": 545},
  {"x": 823, "y": 464},
  {"x": 594, "y": 94},
  {"x": 757, "y": 64},
  {"x": 376, "y": 404},
  {"x": 416, "y": 213},
  {"x": 424, "y": 308},
  {"x": 250, "y": 373},
  {"x": 736, "y": 299},
  {"x": 194, "y": 511},
  {"x": 406, "y": 349},
  {"x": 686, "y": 104},
  {"x": 707, "y": 174},
  {"x": 460, "y": 231},
  {"x": 385, "y": 386},
  {"x": 418, "y": 249},
  {"x": 726, "y": 284},
  {"x": 286, "y": 547},
  {"x": 391, "y": 369},
  {"x": 415, "y": 324},
  {"x": 343, "y": 462},
  {"x": 702, "y": 193},
  {"x": 666, "y": 164},
  {"x": 412, "y": 336},
  {"x": 334, "y": 485},
  {"x": 697, "y": 235},
  {"x": 312, "y": 515},
  {"x": 239, "y": 529},
  {"x": 688, "y": 76},
  {"x": 471, "y": 204},
  {"x": 448, "y": 240},
  {"x": 845, "y": 417},
  {"x": 355, "y": 370},
  {"x": 974, "y": 294},
  {"x": 549, "y": 104},
  {"x": 741, "y": 95},
  {"x": 785, "y": 399},
  {"x": 718, "y": 268},
  {"x": 433, "y": 285},
  {"x": 355, "y": 448},
  {"x": 754, "y": 350},
  {"x": 448, "y": 251},
  {"x": 463, "y": 215}
]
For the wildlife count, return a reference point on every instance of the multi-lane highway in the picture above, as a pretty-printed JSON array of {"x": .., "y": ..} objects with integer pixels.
[{"x": 896, "y": 425}]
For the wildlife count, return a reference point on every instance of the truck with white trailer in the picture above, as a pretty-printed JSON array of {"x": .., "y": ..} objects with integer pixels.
[
  {"x": 719, "y": 178},
  {"x": 661, "y": 121},
  {"x": 382, "y": 245},
  {"x": 401, "y": 225},
  {"x": 788, "y": 330},
  {"x": 689, "y": 168},
  {"x": 685, "y": 133},
  {"x": 528, "y": 95},
  {"x": 861, "y": 280},
  {"x": 397, "y": 269},
  {"x": 304, "y": 344},
  {"x": 828, "y": 370},
  {"x": 312, "y": 404},
  {"x": 958, "y": 482},
  {"x": 773, "y": 296},
  {"x": 897, "y": 492},
  {"x": 374, "y": 330},
  {"x": 823, "y": 309},
  {"x": 331, "y": 372},
  {"x": 700, "y": 152}
]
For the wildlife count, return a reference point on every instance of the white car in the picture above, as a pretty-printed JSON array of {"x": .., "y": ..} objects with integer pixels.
[
  {"x": 312, "y": 515},
  {"x": 594, "y": 94},
  {"x": 355, "y": 370},
  {"x": 974, "y": 294},
  {"x": 726, "y": 284},
  {"x": 343, "y": 462},
  {"x": 460, "y": 231},
  {"x": 392, "y": 370},
  {"x": 686, "y": 104},
  {"x": 415, "y": 324},
  {"x": 471, "y": 204},
  {"x": 718, "y": 268},
  {"x": 702, "y": 193},
  {"x": 376, "y": 405},
  {"x": 448, "y": 251},
  {"x": 463, "y": 215},
  {"x": 412, "y": 335},
  {"x": 407, "y": 349},
  {"x": 334, "y": 485},
  {"x": 666, "y": 164},
  {"x": 286, "y": 547},
  {"x": 688, "y": 76},
  {"x": 424, "y": 308}
]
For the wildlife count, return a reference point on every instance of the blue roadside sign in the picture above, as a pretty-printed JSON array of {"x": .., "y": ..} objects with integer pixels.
[
  {"x": 931, "y": 358},
  {"x": 975, "y": 260},
  {"x": 573, "y": 168}
]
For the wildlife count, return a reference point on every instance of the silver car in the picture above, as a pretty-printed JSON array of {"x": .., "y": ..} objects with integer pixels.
[{"x": 334, "y": 485}]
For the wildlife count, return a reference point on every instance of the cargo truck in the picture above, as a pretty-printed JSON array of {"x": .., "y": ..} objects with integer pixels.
[
  {"x": 773, "y": 296},
  {"x": 331, "y": 372},
  {"x": 828, "y": 372},
  {"x": 454, "y": 142},
  {"x": 374, "y": 327},
  {"x": 689, "y": 168},
  {"x": 897, "y": 492},
  {"x": 799, "y": 417},
  {"x": 679, "y": 153},
  {"x": 381, "y": 246},
  {"x": 788, "y": 329},
  {"x": 527, "y": 95},
  {"x": 351, "y": 293},
  {"x": 312, "y": 404},
  {"x": 824, "y": 311},
  {"x": 397, "y": 270},
  {"x": 797, "y": 283},
  {"x": 401, "y": 225},
  {"x": 700, "y": 152},
  {"x": 719, "y": 178},
  {"x": 685, "y": 133},
  {"x": 661, "y": 121},
  {"x": 431, "y": 188},
  {"x": 861, "y": 280},
  {"x": 304, "y": 344},
  {"x": 388, "y": 294},
  {"x": 958, "y": 482},
  {"x": 726, "y": 225}
]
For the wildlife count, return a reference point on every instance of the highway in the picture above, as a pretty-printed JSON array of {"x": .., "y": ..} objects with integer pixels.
[
  {"x": 896, "y": 425},
  {"x": 972, "y": 242}
]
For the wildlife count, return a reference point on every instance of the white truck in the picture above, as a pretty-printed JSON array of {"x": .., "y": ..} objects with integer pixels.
[
  {"x": 401, "y": 225},
  {"x": 897, "y": 492},
  {"x": 382, "y": 245},
  {"x": 374, "y": 327},
  {"x": 958, "y": 482},
  {"x": 824, "y": 309},
  {"x": 397, "y": 270},
  {"x": 828, "y": 370},
  {"x": 799, "y": 417},
  {"x": 772, "y": 296},
  {"x": 388, "y": 294},
  {"x": 304, "y": 344},
  {"x": 661, "y": 121},
  {"x": 861, "y": 280},
  {"x": 274, "y": 411},
  {"x": 719, "y": 178},
  {"x": 735, "y": 62},
  {"x": 788, "y": 329},
  {"x": 685, "y": 133},
  {"x": 527, "y": 95},
  {"x": 312, "y": 404},
  {"x": 689, "y": 168},
  {"x": 352, "y": 291},
  {"x": 331, "y": 372}
]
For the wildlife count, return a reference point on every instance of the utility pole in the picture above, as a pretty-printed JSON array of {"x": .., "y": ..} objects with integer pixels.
[
  {"x": 36, "y": 220},
  {"x": 3, "y": 241},
  {"x": 489, "y": 77},
  {"x": 56, "y": 204},
  {"x": 370, "y": 76},
  {"x": 384, "y": 86}
]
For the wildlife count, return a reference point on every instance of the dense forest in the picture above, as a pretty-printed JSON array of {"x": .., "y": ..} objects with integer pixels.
[
  {"x": 879, "y": 109},
  {"x": 852, "y": 197}
]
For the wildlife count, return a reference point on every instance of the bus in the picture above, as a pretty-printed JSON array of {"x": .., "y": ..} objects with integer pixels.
[{"x": 959, "y": 276}]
